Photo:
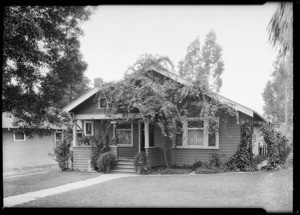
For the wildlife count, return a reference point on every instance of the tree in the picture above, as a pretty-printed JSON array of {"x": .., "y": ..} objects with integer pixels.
[
  {"x": 98, "y": 81},
  {"x": 73, "y": 92},
  {"x": 41, "y": 60},
  {"x": 203, "y": 65},
  {"x": 278, "y": 94},
  {"x": 281, "y": 28}
]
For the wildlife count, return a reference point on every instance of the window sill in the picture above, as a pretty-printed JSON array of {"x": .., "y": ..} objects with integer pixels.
[{"x": 123, "y": 145}]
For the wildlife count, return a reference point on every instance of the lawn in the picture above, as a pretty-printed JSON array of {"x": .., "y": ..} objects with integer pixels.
[
  {"x": 52, "y": 178},
  {"x": 271, "y": 191}
]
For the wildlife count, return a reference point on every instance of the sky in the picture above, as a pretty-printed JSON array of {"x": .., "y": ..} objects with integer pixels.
[{"x": 116, "y": 36}]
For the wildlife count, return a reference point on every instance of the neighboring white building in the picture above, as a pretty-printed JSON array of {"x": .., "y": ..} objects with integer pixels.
[{"x": 20, "y": 151}]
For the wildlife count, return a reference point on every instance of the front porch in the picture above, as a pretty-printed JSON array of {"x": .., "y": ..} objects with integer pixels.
[{"x": 132, "y": 139}]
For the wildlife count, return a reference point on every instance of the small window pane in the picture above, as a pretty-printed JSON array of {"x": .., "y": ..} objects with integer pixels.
[
  {"x": 124, "y": 136},
  {"x": 195, "y": 137},
  {"x": 102, "y": 103},
  {"x": 19, "y": 136},
  {"x": 212, "y": 139},
  {"x": 88, "y": 128},
  {"x": 178, "y": 139},
  {"x": 58, "y": 136}
]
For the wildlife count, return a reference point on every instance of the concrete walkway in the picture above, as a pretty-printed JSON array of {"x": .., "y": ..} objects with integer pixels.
[{"x": 27, "y": 197}]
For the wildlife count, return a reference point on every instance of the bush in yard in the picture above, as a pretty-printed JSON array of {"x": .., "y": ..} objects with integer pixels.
[
  {"x": 62, "y": 153},
  {"x": 196, "y": 165},
  {"x": 98, "y": 148},
  {"x": 208, "y": 170},
  {"x": 162, "y": 170},
  {"x": 217, "y": 160},
  {"x": 106, "y": 162},
  {"x": 141, "y": 162}
]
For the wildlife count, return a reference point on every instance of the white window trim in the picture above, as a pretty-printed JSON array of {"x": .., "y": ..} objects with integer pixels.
[
  {"x": 99, "y": 105},
  {"x": 123, "y": 129},
  {"x": 14, "y": 137},
  {"x": 62, "y": 135},
  {"x": 205, "y": 136},
  {"x": 84, "y": 128}
]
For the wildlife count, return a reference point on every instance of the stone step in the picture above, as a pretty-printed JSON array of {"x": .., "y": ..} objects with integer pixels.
[
  {"x": 123, "y": 170},
  {"x": 125, "y": 163},
  {"x": 124, "y": 167},
  {"x": 126, "y": 159}
]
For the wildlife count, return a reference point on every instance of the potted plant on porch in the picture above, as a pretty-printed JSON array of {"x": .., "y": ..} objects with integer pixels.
[{"x": 141, "y": 162}]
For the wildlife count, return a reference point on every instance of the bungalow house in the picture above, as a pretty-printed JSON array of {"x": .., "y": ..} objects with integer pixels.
[
  {"x": 21, "y": 151},
  {"x": 138, "y": 135}
]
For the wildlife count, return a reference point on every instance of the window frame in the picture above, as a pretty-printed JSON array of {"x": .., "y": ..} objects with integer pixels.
[
  {"x": 125, "y": 129},
  {"x": 84, "y": 128},
  {"x": 14, "y": 137},
  {"x": 62, "y": 136},
  {"x": 205, "y": 135},
  {"x": 99, "y": 104}
]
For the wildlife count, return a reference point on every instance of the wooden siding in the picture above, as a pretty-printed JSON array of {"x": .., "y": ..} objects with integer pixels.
[
  {"x": 32, "y": 152},
  {"x": 88, "y": 107},
  {"x": 156, "y": 157},
  {"x": 81, "y": 157}
]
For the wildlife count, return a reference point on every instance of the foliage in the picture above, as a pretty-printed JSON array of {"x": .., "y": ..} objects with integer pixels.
[
  {"x": 159, "y": 99},
  {"x": 141, "y": 160},
  {"x": 203, "y": 66},
  {"x": 106, "y": 162},
  {"x": 99, "y": 143},
  {"x": 278, "y": 146},
  {"x": 73, "y": 92},
  {"x": 278, "y": 95},
  {"x": 162, "y": 170},
  {"x": 98, "y": 81},
  {"x": 196, "y": 165},
  {"x": 207, "y": 169},
  {"x": 281, "y": 27},
  {"x": 62, "y": 153},
  {"x": 41, "y": 59},
  {"x": 243, "y": 159},
  {"x": 217, "y": 160},
  {"x": 259, "y": 158}
]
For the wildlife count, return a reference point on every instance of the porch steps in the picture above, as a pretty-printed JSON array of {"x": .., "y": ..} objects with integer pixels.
[{"x": 124, "y": 165}]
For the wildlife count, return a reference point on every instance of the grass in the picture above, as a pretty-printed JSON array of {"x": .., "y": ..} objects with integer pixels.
[
  {"x": 53, "y": 178},
  {"x": 268, "y": 190}
]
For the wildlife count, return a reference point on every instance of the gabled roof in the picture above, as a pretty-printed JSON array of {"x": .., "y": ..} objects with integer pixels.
[{"x": 174, "y": 77}]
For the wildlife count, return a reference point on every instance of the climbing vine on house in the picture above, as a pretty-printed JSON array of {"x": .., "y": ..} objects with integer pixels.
[
  {"x": 278, "y": 148},
  {"x": 159, "y": 99},
  {"x": 243, "y": 159}
]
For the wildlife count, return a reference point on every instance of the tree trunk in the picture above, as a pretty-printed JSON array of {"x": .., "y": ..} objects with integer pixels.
[{"x": 165, "y": 154}]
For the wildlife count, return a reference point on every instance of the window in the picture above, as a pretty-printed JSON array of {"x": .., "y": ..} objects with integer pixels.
[
  {"x": 102, "y": 103},
  {"x": 58, "y": 136},
  {"x": 19, "y": 136},
  {"x": 88, "y": 128},
  {"x": 196, "y": 135},
  {"x": 124, "y": 134}
]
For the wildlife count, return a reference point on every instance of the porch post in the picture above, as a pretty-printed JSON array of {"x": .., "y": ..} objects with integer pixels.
[
  {"x": 74, "y": 132},
  {"x": 146, "y": 134}
]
